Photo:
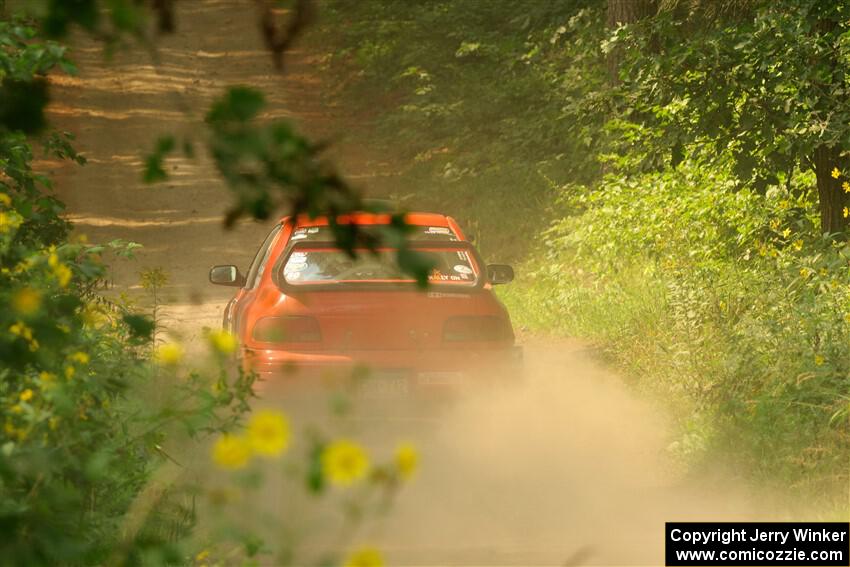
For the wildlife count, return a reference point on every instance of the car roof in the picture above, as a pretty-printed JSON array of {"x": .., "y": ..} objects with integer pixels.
[{"x": 416, "y": 218}]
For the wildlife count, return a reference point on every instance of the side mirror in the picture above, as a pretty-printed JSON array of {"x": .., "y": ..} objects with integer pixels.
[
  {"x": 226, "y": 275},
  {"x": 500, "y": 273}
]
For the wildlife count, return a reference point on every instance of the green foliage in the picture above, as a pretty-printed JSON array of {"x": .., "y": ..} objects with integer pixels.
[
  {"x": 139, "y": 326},
  {"x": 23, "y": 105},
  {"x": 766, "y": 88},
  {"x": 728, "y": 304},
  {"x": 475, "y": 118},
  {"x": 107, "y": 19},
  {"x": 154, "y": 170},
  {"x": 23, "y": 64},
  {"x": 152, "y": 280},
  {"x": 79, "y": 441},
  {"x": 267, "y": 165}
]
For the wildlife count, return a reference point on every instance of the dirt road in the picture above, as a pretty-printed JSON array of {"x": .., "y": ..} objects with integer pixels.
[
  {"x": 568, "y": 468},
  {"x": 118, "y": 108}
]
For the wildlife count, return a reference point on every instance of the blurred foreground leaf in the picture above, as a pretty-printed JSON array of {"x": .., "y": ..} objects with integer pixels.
[{"x": 22, "y": 105}]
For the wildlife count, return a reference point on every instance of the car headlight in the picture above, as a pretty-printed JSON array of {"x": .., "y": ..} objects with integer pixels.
[
  {"x": 289, "y": 329},
  {"x": 477, "y": 328}
]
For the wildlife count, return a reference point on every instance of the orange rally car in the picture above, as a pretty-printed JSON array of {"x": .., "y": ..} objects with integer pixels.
[{"x": 306, "y": 307}]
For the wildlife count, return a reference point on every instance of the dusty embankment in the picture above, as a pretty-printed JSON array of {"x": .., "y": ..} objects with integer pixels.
[{"x": 567, "y": 466}]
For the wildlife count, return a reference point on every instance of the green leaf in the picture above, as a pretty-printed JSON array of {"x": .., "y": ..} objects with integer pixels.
[
  {"x": 315, "y": 477},
  {"x": 154, "y": 172},
  {"x": 22, "y": 105},
  {"x": 165, "y": 144},
  {"x": 154, "y": 169},
  {"x": 418, "y": 264},
  {"x": 140, "y": 326},
  {"x": 62, "y": 13},
  {"x": 239, "y": 104}
]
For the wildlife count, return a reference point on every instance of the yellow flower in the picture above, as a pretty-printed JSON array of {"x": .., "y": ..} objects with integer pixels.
[
  {"x": 231, "y": 451},
  {"x": 202, "y": 556},
  {"x": 836, "y": 173},
  {"x": 69, "y": 372},
  {"x": 9, "y": 222},
  {"x": 344, "y": 462},
  {"x": 846, "y": 212},
  {"x": 819, "y": 360},
  {"x": 222, "y": 341},
  {"x": 93, "y": 316},
  {"x": 26, "y": 301},
  {"x": 268, "y": 433},
  {"x": 47, "y": 379},
  {"x": 169, "y": 354},
  {"x": 798, "y": 245},
  {"x": 786, "y": 233},
  {"x": 365, "y": 557},
  {"x": 5, "y": 199},
  {"x": 63, "y": 274},
  {"x": 846, "y": 187},
  {"x": 20, "y": 330},
  {"x": 80, "y": 357},
  {"x": 406, "y": 460},
  {"x": 26, "y": 395}
]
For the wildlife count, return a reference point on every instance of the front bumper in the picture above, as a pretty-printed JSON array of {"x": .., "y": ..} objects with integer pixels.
[{"x": 385, "y": 371}]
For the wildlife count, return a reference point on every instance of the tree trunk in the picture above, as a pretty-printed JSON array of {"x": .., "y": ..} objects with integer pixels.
[
  {"x": 831, "y": 196},
  {"x": 622, "y": 12}
]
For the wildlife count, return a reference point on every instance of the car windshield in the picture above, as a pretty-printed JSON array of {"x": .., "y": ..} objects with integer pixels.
[
  {"x": 418, "y": 233},
  {"x": 452, "y": 266}
]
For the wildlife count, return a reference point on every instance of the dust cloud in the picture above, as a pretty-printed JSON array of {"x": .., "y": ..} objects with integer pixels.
[{"x": 564, "y": 466}]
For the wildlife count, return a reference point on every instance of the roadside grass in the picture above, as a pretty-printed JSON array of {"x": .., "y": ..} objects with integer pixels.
[{"x": 743, "y": 333}]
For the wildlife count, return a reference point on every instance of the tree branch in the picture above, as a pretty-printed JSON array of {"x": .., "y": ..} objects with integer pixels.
[{"x": 279, "y": 38}]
